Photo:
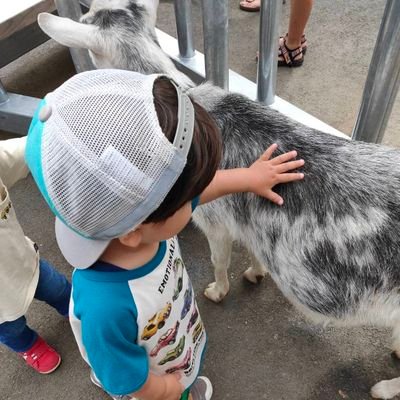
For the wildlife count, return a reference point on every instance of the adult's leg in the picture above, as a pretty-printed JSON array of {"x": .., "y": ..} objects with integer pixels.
[
  {"x": 300, "y": 11},
  {"x": 53, "y": 288}
]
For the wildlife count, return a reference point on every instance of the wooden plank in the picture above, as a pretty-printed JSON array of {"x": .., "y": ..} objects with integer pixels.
[
  {"x": 20, "y": 43},
  {"x": 16, "y": 15}
]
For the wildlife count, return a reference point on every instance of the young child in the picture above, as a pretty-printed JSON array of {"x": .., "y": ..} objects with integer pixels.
[
  {"x": 22, "y": 274},
  {"x": 122, "y": 160}
]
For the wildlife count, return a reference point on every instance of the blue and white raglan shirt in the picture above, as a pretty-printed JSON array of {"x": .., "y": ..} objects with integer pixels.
[{"x": 131, "y": 322}]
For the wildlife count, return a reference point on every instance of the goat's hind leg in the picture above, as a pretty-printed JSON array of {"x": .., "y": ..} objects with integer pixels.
[
  {"x": 220, "y": 244},
  {"x": 256, "y": 272},
  {"x": 396, "y": 340}
]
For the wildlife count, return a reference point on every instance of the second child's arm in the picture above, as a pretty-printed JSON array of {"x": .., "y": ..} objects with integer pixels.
[
  {"x": 12, "y": 162},
  {"x": 259, "y": 178}
]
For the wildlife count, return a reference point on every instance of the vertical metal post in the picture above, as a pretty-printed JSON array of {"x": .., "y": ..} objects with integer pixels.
[
  {"x": 183, "y": 16},
  {"x": 80, "y": 57},
  {"x": 215, "y": 32},
  {"x": 383, "y": 79},
  {"x": 3, "y": 94},
  {"x": 268, "y": 50}
]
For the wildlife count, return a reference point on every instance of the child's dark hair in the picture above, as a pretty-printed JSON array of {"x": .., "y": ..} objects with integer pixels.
[{"x": 204, "y": 154}]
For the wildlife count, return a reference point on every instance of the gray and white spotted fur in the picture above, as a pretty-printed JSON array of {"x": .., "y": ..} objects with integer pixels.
[{"x": 333, "y": 248}]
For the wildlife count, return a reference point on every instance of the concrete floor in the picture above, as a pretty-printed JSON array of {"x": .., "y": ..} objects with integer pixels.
[{"x": 259, "y": 345}]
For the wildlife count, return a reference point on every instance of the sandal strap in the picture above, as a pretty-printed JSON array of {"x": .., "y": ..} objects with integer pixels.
[
  {"x": 303, "y": 38},
  {"x": 303, "y": 42},
  {"x": 288, "y": 54}
]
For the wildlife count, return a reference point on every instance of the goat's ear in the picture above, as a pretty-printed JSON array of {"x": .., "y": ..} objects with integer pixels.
[{"x": 69, "y": 33}]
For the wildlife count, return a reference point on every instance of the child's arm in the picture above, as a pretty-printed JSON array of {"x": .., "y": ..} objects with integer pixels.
[
  {"x": 259, "y": 178},
  {"x": 165, "y": 387},
  {"x": 12, "y": 162}
]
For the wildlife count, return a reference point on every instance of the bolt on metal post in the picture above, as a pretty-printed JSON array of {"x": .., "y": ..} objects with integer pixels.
[
  {"x": 382, "y": 80},
  {"x": 215, "y": 32}
]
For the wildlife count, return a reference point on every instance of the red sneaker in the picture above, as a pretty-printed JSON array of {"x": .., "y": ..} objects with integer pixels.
[{"x": 41, "y": 357}]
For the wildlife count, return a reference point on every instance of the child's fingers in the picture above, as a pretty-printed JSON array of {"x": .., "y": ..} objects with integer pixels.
[
  {"x": 288, "y": 166},
  {"x": 274, "y": 197},
  {"x": 284, "y": 178},
  {"x": 268, "y": 153},
  {"x": 284, "y": 157}
]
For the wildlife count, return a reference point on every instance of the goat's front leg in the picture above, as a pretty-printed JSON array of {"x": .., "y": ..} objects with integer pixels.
[
  {"x": 221, "y": 249},
  {"x": 386, "y": 389}
]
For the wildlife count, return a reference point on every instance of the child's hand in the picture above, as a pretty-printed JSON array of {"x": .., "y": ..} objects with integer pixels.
[
  {"x": 265, "y": 173},
  {"x": 173, "y": 387}
]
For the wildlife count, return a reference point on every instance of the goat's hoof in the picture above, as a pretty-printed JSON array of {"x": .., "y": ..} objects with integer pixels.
[
  {"x": 254, "y": 276},
  {"x": 215, "y": 293},
  {"x": 385, "y": 389}
]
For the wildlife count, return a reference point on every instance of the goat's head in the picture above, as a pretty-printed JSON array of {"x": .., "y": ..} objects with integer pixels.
[{"x": 117, "y": 33}]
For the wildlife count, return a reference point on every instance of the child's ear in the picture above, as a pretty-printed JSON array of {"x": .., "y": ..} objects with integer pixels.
[{"x": 132, "y": 239}]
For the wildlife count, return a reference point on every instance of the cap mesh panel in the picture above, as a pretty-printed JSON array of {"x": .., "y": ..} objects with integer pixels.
[{"x": 103, "y": 148}]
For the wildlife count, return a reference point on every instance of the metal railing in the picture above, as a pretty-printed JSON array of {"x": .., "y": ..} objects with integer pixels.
[
  {"x": 183, "y": 13},
  {"x": 268, "y": 50},
  {"x": 379, "y": 93},
  {"x": 16, "y": 111},
  {"x": 215, "y": 32},
  {"x": 3, "y": 94},
  {"x": 383, "y": 76},
  {"x": 383, "y": 79}
]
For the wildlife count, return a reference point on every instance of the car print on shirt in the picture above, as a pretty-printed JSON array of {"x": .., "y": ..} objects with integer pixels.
[
  {"x": 174, "y": 353},
  {"x": 193, "y": 319},
  {"x": 187, "y": 302},
  {"x": 156, "y": 322},
  {"x": 185, "y": 364},
  {"x": 166, "y": 339},
  {"x": 197, "y": 331},
  {"x": 178, "y": 273}
]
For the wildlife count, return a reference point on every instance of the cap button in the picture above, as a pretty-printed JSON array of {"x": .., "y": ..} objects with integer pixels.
[{"x": 45, "y": 113}]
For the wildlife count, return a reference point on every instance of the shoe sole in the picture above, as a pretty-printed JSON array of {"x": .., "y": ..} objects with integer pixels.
[
  {"x": 209, "y": 385},
  {"x": 52, "y": 370},
  {"x": 249, "y": 9}
]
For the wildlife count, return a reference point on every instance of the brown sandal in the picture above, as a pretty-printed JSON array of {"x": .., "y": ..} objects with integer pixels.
[
  {"x": 281, "y": 42},
  {"x": 303, "y": 43},
  {"x": 290, "y": 56}
]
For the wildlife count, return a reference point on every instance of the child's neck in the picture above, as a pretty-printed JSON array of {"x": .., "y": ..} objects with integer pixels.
[{"x": 129, "y": 257}]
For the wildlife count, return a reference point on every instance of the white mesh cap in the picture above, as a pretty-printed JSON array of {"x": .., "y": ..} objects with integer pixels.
[{"x": 106, "y": 163}]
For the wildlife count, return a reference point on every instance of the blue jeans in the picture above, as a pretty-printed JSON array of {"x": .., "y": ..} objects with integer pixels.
[{"x": 54, "y": 289}]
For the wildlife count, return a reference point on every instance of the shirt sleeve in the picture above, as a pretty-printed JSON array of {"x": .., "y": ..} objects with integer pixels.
[
  {"x": 12, "y": 163},
  {"x": 109, "y": 336}
]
